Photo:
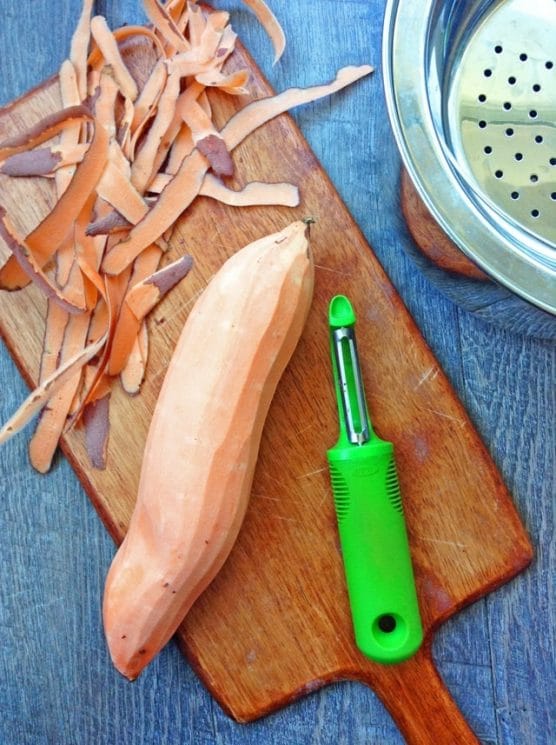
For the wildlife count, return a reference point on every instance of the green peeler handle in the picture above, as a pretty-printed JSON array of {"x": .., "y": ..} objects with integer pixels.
[{"x": 375, "y": 550}]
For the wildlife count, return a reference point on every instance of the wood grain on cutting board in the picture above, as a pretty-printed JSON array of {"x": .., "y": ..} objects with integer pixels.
[{"x": 275, "y": 623}]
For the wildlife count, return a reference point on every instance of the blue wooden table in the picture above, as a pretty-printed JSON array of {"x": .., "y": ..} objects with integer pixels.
[{"x": 57, "y": 686}]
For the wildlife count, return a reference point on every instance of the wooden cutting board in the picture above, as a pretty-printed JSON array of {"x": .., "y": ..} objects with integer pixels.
[{"x": 275, "y": 624}]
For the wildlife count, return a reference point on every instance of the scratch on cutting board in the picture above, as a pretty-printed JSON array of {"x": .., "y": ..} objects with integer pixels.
[
  {"x": 335, "y": 271},
  {"x": 461, "y": 422},
  {"x": 443, "y": 543},
  {"x": 264, "y": 496},
  {"x": 191, "y": 300},
  {"x": 304, "y": 429},
  {"x": 432, "y": 373},
  {"x": 157, "y": 373},
  {"x": 311, "y": 473},
  {"x": 276, "y": 481},
  {"x": 285, "y": 519}
]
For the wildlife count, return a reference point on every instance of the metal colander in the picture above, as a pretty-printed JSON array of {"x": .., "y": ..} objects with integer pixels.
[{"x": 471, "y": 93}]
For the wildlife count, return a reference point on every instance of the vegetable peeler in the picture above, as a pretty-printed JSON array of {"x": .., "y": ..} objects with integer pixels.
[{"x": 369, "y": 510}]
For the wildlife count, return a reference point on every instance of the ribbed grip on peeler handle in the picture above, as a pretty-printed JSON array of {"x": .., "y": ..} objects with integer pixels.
[{"x": 375, "y": 551}]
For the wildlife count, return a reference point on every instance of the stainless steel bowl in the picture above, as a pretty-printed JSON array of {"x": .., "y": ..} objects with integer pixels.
[{"x": 471, "y": 94}]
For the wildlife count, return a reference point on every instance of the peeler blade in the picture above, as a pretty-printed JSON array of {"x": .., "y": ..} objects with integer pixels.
[{"x": 350, "y": 385}]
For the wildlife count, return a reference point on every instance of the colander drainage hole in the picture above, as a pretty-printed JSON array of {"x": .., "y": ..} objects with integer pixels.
[
  {"x": 536, "y": 87},
  {"x": 549, "y": 65},
  {"x": 514, "y": 195},
  {"x": 535, "y": 213},
  {"x": 518, "y": 156},
  {"x": 481, "y": 98},
  {"x": 523, "y": 57},
  {"x": 507, "y": 105},
  {"x": 539, "y": 139},
  {"x": 512, "y": 80},
  {"x": 482, "y": 124},
  {"x": 533, "y": 114},
  {"x": 553, "y": 196},
  {"x": 498, "y": 49},
  {"x": 533, "y": 178},
  {"x": 509, "y": 132},
  {"x": 487, "y": 149},
  {"x": 487, "y": 73},
  {"x": 499, "y": 174},
  {"x": 552, "y": 161}
]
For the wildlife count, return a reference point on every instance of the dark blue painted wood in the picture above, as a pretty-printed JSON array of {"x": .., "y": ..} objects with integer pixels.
[{"x": 57, "y": 686}]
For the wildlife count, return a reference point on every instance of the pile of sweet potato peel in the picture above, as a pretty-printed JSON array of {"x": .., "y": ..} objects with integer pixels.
[{"x": 129, "y": 151}]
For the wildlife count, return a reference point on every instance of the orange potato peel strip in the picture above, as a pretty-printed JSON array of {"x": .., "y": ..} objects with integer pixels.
[
  {"x": 144, "y": 164},
  {"x": 163, "y": 21},
  {"x": 205, "y": 135},
  {"x": 211, "y": 37},
  {"x": 96, "y": 383},
  {"x": 133, "y": 373},
  {"x": 186, "y": 65},
  {"x": 116, "y": 189},
  {"x": 50, "y": 426},
  {"x": 270, "y": 24},
  {"x": 96, "y": 418},
  {"x": 108, "y": 47},
  {"x": 227, "y": 45},
  {"x": 123, "y": 136},
  {"x": 70, "y": 137},
  {"x": 127, "y": 324},
  {"x": 148, "y": 98},
  {"x": 56, "y": 322},
  {"x": 145, "y": 295},
  {"x": 54, "y": 417},
  {"x": 122, "y": 34},
  {"x": 42, "y": 394},
  {"x": 196, "y": 23},
  {"x": 140, "y": 299},
  {"x": 182, "y": 146},
  {"x": 177, "y": 195},
  {"x": 257, "y": 113},
  {"x": 43, "y": 161},
  {"x": 24, "y": 256},
  {"x": 49, "y": 234},
  {"x": 109, "y": 224},
  {"x": 44, "y": 130},
  {"x": 253, "y": 194},
  {"x": 44, "y": 441},
  {"x": 80, "y": 46},
  {"x": 186, "y": 184},
  {"x": 234, "y": 84},
  {"x": 175, "y": 9}
]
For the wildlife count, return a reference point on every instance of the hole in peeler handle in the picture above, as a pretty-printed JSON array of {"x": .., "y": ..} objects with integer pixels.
[
  {"x": 390, "y": 631},
  {"x": 387, "y": 623}
]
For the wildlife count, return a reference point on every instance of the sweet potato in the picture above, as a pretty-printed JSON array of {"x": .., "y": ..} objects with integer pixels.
[{"x": 203, "y": 442}]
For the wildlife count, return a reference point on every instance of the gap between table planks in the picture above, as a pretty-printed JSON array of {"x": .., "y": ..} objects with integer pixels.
[{"x": 275, "y": 623}]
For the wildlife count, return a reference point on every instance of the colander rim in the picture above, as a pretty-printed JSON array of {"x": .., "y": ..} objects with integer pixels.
[{"x": 473, "y": 226}]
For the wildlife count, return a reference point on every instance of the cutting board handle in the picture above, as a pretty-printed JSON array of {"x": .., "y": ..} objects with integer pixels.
[{"x": 420, "y": 703}]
